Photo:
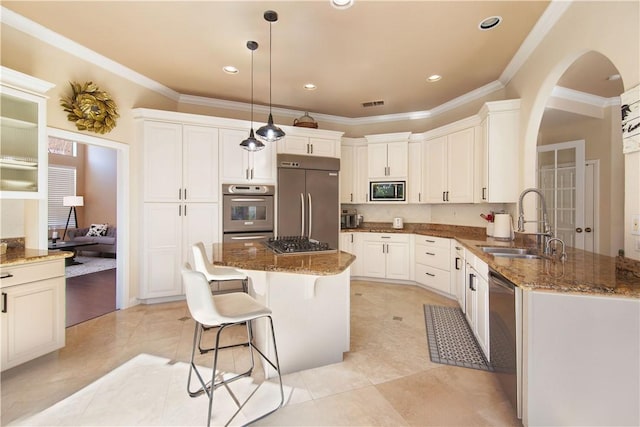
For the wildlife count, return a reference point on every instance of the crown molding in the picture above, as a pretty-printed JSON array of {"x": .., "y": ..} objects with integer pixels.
[
  {"x": 22, "y": 81},
  {"x": 584, "y": 98}
]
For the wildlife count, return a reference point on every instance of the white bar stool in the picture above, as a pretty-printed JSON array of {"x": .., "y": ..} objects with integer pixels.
[
  {"x": 223, "y": 311},
  {"x": 212, "y": 272}
]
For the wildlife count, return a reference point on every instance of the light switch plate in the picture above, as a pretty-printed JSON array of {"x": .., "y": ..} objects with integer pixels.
[{"x": 635, "y": 224}]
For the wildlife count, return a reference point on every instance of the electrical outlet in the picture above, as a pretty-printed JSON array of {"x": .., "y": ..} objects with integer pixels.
[{"x": 635, "y": 224}]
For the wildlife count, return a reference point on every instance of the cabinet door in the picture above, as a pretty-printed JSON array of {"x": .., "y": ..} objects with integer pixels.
[
  {"x": 398, "y": 261},
  {"x": 346, "y": 242},
  {"x": 458, "y": 271},
  {"x": 361, "y": 183},
  {"x": 397, "y": 160},
  {"x": 374, "y": 259},
  {"x": 414, "y": 181},
  {"x": 434, "y": 172},
  {"x": 470, "y": 295},
  {"x": 200, "y": 164},
  {"x": 235, "y": 159},
  {"x": 460, "y": 160},
  {"x": 482, "y": 314},
  {"x": 323, "y": 147},
  {"x": 162, "y": 251},
  {"x": 377, "y": 160},
  {"x": 33, "y": 321},
  {"x": 200, "y": 223},
  {"x": 434, "y": 278},
  {"x": 291, "y": 144},
  {"x": 162, "y": 158},
  {"x": 347, "y": 174},
  {"x": 263, "y": 165},
  {"x": 501, "y": 151}
]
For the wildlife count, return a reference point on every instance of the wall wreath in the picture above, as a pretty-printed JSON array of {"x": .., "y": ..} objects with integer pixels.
[{"x": 91, "y": 108}]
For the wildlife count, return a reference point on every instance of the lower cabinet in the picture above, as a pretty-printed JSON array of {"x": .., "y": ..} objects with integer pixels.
[
  {"x": 433, "y": 262},
  {"x": 351, "y": 242},
  {"x": 458, "y": 269},
  {"x": 477, "y": 301},
  {"x": 386, "y": 256},
  {"x": 33, "y": 311},
  {"x": 169, "y": 231}
]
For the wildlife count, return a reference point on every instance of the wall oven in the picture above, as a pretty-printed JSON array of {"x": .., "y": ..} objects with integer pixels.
[{"x": 247, "y": 212}]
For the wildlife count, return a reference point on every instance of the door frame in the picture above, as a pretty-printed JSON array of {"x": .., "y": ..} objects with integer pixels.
[
  {"x": 123, "y": 295},
  {"x": 594, "y": 190}
]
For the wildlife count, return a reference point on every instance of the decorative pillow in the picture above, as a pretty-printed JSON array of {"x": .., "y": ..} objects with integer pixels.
[{"x": 98, "y": 230}]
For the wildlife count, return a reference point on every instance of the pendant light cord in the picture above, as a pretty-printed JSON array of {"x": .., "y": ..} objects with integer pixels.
[{"x": 270, "y": 62}]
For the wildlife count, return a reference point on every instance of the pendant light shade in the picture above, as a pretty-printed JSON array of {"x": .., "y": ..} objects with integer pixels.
[
  {"x": 251, "y": 143},
  {"x": 270, "y": 132}
]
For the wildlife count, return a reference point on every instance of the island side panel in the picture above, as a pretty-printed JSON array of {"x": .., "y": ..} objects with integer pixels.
[{"x": 311, "y": 316}]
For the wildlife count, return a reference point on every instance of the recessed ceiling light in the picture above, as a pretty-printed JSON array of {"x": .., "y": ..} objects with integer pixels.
[
  {"x": 230, "y": 69},
  {"x": 341, "y": 4},
  {"x": 614, "y": 77},
  {"x": 434, "y": 78},
  {"x": 489, "y": 23},
  {"x": 310, "y": 86}
]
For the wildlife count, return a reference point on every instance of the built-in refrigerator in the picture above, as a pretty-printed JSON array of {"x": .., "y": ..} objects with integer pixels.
[{"x": 308, "y": 197}]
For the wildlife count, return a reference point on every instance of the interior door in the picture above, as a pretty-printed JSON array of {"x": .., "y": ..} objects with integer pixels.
[
  {"x": 291, "y": 202},
  {"x": 323, "y": 206},
  {"x": 561, "y": 175}
]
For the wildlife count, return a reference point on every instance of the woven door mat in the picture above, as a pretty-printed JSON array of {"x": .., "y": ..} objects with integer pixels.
[{"x": 451, "y": 341}]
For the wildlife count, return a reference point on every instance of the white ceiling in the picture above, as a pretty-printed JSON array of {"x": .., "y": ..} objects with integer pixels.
[{"x": 375, "y": 50}]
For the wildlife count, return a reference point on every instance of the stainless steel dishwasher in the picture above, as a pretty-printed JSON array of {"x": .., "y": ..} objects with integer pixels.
[{"x": 505, "y": 301}]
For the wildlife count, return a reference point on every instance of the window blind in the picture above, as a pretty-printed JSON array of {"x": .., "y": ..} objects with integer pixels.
[{"x": 62, "y": 182}]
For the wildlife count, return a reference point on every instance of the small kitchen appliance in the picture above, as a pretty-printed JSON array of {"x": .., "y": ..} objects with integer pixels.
[
  {"x": 398, "y": 223},
  {"x": 349, "y": 218},
  {"x": 502, "y": 227},
  {"x": 387, "y": 191}
]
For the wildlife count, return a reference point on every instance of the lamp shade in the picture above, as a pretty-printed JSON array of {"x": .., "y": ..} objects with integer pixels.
[{"x": 73, "y": 201}]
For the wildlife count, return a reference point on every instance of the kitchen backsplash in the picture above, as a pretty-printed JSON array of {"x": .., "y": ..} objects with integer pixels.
[{"x": 454, "y": 214}]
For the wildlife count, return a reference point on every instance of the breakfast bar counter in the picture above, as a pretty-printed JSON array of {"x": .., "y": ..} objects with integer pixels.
[{"x": 309, "y": 295}]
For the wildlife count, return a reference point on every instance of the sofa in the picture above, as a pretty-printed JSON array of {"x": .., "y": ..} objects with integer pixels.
[{"x": 106, "y": 244}]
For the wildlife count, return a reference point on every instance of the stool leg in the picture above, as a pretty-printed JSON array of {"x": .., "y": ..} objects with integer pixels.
[{"x": 192, "y": 366}]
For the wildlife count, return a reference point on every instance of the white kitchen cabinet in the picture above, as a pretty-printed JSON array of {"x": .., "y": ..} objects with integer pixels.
[
  {"x": 386, "y": 256},
  {"x": 242, "y": 166},
  {"x": 169, "y": 231},
  {"x": 433, "y": 261},
  {"x": 448, "y": 163},
  {"x": 353, "y": 173},
  {"x": 23, "y": 136},
  {"x": 477, "y": 301},
  {"x": 388, "y": 160},
  {"x": 458, "y": 273},
  {"x": 414, "y": 181},
  {"x": 497, "y": 150},
  {"x": 351, "y": 242},
  {"x": 33, "y": 311},
  {"x": 180, "y": 162},
  {"x": 309, "y": 146}
]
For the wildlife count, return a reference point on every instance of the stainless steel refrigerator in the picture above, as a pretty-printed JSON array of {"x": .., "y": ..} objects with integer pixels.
[{"x": 308, "y": 197}]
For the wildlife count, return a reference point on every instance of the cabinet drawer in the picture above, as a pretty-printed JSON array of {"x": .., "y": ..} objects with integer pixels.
[
  {"x": 387, "y": 237},
  {"x": 433, "y": 256},
  {"x": 434, "y": 278},
  {"x": 433, "y": 241},
  {"x": 31, "y": 272}
]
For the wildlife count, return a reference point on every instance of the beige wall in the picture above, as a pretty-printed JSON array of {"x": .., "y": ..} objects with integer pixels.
[{"x": 100, "y": 189}]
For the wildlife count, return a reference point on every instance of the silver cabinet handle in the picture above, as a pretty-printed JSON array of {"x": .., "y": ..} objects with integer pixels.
[
  {"x": 310, "y": 215},
  {"x": 248, "y": 200},
  {"x": 302, "y": 215},
  {"x": 248, "y": 237}
]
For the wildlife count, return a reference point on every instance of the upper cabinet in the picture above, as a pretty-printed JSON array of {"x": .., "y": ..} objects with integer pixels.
[
  {"x": 23, "y": 144},
  {"x": 414, "y": 181},
  {"x": 180, "y": 162},
  {"x": 310, "y": 142},
  {"x": 447, "y": 164},
  {"x": 353, "y": 171},
  {"x": 241, "y": 166},
  {"x": 498, "y": 148},
  {"x": 388, "y": 156}
]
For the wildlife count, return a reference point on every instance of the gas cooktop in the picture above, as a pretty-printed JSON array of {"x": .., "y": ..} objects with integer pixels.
[{"x": 292, "y": 245}]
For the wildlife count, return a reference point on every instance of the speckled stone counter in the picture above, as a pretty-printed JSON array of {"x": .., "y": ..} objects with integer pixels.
[
  {"x": 582, "y": 273},
  {"x": 258, "y": 257},
  {"x": 19, "y": 256}
]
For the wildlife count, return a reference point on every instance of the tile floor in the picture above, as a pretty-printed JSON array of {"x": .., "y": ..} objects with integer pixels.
[{"x": 386, "y": 379}]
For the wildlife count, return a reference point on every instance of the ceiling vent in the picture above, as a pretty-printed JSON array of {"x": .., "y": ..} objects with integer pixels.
[{"x": 372, "y": 104}]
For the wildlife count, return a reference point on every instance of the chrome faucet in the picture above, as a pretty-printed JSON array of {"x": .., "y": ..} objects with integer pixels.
[
  {"x": 563, "y": 255},
  {"x": 546, "y": 227}
]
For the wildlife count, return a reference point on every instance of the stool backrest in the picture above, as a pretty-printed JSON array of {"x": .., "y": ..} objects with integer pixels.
[
  {"x": 199, "y": 298},
  {"x": 200, "y": 262}
]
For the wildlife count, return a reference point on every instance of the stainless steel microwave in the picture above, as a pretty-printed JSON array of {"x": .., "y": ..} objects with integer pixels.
[{"x": 387, "y": 191}]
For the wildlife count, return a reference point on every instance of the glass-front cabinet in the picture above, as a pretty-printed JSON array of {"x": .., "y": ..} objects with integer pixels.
[{"x": 23, "y": 146}]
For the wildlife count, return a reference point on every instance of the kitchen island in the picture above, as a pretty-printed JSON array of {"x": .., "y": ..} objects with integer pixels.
[{"x": 309, "y": 295}]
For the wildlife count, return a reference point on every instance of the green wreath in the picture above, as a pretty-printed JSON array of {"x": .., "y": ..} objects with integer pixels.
[{"x": 91, "y": 108}]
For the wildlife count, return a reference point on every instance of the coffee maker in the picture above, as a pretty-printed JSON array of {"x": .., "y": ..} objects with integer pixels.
[{"x": 349, "y": 218}]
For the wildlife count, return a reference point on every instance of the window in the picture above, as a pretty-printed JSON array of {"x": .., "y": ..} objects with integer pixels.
[
  {"x": 63, "y": 147},
  {"x": 62, "y": 182}
]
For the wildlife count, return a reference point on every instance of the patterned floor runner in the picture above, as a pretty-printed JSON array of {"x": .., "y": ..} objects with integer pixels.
[{"x": 451, "y": 341}]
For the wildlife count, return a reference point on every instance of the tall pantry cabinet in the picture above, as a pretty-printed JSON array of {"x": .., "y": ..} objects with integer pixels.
[{"x": 180, "y": 198}]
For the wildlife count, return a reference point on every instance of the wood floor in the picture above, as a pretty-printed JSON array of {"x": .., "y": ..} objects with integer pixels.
[{"x": 90, "y": 295}]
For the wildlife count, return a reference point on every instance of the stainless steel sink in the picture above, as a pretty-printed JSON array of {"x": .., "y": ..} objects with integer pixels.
[{"x": 501, "y": 251}]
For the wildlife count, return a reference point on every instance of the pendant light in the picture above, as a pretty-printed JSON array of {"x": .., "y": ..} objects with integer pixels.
[
  {"x": 270, "y": 132},
  {"x": 251, "y": 143}
]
